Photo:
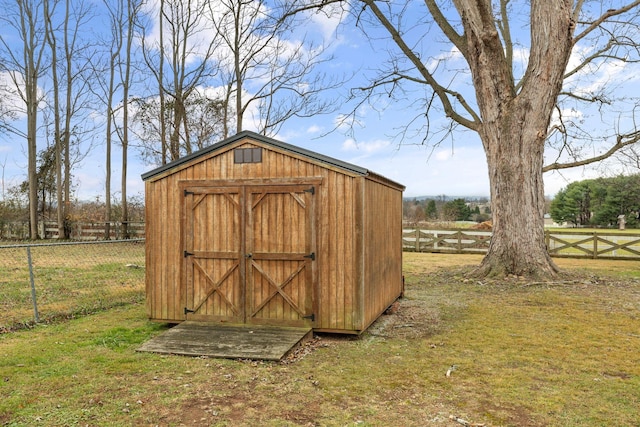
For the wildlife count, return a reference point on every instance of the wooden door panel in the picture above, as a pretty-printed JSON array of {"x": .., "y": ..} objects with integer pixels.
[
  {"x": 249, "y": 253},
  {"x": 278, "y": 219},
  {"x": 216, "y": 294},
  {"x": 279, "y": 241},
  {"x": 214, "y": 254},
  {"x": 279, "y": 290}
]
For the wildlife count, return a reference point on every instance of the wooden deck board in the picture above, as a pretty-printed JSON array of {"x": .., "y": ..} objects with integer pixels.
[{"x": 227, "y": 341}]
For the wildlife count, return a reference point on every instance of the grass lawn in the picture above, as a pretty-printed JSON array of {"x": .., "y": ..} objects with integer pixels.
[
  {"x": 69, "y": 280},
  {"x": 523, "y": 354}
]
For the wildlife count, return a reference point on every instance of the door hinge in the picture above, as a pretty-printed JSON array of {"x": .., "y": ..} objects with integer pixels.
[
  {"x": 311, "y": 190},
  {"x": 187, "y": 311},
  {"x": 311, "y": 317},
  {"x": 312, "y": 255},
  {"x": 186, "y": 254},
  {"x": 187, "y": 192}
]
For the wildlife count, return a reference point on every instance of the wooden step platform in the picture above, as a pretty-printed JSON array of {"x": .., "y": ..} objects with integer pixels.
[{"x": 228, "y": 341}]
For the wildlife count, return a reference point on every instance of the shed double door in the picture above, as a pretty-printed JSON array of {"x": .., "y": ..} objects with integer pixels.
[{"x": 249, "y": 253}]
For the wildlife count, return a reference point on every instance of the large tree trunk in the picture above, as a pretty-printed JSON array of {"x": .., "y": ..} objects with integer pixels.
[
  {"x": 514, "y": 150},
  {"x": 514, "y": 128}
]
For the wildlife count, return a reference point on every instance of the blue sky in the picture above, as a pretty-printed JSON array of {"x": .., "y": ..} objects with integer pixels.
[{"x": 456, "y": 167}]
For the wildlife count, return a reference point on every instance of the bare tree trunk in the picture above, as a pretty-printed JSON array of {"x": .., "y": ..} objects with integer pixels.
[
  {"x": 24, "y": 66},
  {"x": 161, "y": 94},
  {"x": 518, "y": 242},
  {"x": 69, "y": 52},
  {"x": 237, "y": 68},
  {"x": 174, "y": 140},
  {"x": 132, "y": 10},
  {"x": 108, "y": 137},
  {"x": 116, "y": 12},
  {"x": 51, "y": 39},
  {"x": 32, "y": 148},
  {"x": 514, "y": 129}
]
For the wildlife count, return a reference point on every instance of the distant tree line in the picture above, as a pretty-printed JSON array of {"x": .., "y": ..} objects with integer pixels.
[
  {"x": 599, "y": 202},
  {"x": 443, "y": 208},
  {"x": 15, "y": 208}
]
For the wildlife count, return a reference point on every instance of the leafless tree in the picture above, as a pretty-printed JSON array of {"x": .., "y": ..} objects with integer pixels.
[
  {"x": 70, "y": 70},
  {"x": 504, "y": 69},
  {"x": 205, "y": 117},
  {"x": 133, "y": 10},
  {"x": 23, "y": 62},
  {"x": 265, "y": 67},
  {"x": 180, "y": 60},
  {"x": 118, "y": 23},
  {"x": 114, "y": 73}
]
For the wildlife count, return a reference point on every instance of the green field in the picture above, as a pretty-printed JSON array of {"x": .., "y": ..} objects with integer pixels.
[
  {"x": 563, "y": 353},
  {"x": 69, "y": 280}
]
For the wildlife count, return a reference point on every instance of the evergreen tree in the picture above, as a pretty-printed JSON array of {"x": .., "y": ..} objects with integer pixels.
[{"x": 431, "y": 211}]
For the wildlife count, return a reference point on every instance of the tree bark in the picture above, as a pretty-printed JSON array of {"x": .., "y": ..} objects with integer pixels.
[
  {"x": 514, "y": 127},
  {"x": 514, "y": 153},
  {"x": 52, "y": 40}
]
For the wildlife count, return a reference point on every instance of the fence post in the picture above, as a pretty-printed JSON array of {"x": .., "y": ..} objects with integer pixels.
[
  {"x": 595, "y": 245},
  {"x": 547, "y": 239},
  {"x": 417, "y": 248},
  {"x": 33, "y": 286}
]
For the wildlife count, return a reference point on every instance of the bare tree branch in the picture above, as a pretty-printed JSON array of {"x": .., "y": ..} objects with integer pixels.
[
  {"x": 621, "y": 142},
  {"x": 441, "y": 91},
  {"x": 599, "y": 21}
]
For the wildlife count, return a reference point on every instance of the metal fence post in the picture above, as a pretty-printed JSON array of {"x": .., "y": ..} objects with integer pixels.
[{"x": 33, "y": 286}]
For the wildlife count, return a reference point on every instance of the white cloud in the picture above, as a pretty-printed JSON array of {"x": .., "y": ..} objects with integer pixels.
[
  {"x": 365, "y": 147},
  {"x": 566, "y": 114},
  {"x": 328, "y": 18},
  {"x": 11, "y": 99},
  {"x": 344, "y": 122},
  {"x": 452, "y": 55},
  {"x": 442, "y": 155},
  {"x": 461, "y": 173},
  {"x": 594, "y": 77},
  {"x": 314, "y": 129}
]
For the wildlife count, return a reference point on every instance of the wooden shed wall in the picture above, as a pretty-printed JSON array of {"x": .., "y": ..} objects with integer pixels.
[
  {"x": 336, "y": 235},
  {"x": 382, "y": 248},
  {"x": 358, "y": 229}
]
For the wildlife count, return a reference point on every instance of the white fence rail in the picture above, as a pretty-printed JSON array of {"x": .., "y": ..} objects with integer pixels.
[{"x": 603, "y": 244}]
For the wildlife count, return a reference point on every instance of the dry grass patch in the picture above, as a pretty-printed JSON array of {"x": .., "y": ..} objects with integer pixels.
[
  {"x": 69, "y": 279},
  {"x": 552, "y": 354}
]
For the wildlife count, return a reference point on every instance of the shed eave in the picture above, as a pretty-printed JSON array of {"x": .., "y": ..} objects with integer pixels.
[
  {"x": 265, "y": 140},
  {"x": 384, "y": 180}
]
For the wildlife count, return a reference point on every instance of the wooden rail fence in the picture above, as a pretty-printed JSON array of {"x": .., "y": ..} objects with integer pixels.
[
  {"x": 569, "y": 244},
  {"x": 19, "y": 230}
]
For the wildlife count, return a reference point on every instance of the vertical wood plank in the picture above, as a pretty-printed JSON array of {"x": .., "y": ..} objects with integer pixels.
[{"x": 352, "y": 263}]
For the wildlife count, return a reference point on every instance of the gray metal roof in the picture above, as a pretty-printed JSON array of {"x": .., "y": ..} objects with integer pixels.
[{"x": 273, "y": 142}]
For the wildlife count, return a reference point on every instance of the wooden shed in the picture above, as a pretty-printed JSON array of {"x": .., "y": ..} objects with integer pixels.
[{"x": 252, "y": 230}]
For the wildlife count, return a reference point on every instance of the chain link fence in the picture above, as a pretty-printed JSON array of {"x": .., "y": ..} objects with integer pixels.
[{"x": 44, "y": 282}]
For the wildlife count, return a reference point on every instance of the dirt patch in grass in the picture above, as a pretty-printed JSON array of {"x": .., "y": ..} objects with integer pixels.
[
  {"x": 500, "y": 353},
  {"x": 234, "y": 409},
  {"x": 507, "y": 352}
]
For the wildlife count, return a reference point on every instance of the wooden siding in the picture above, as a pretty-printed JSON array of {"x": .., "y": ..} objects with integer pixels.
[
  {"x": 382, "y": 249},
  {"x": 355, "y": 277}
]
